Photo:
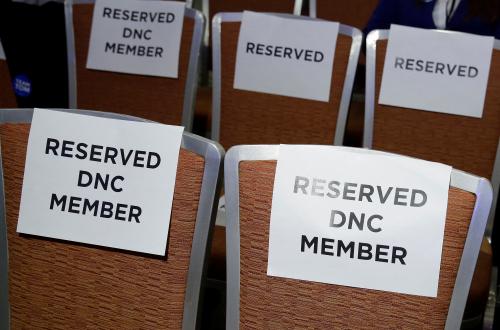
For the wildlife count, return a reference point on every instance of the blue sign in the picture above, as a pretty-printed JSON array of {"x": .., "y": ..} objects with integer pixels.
[{"x": 22, "y": 85}]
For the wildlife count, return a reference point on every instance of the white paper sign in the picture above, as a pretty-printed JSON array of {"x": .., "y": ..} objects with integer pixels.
[
  {"x": 99, "y": 181},
  {"x": 285, "y": 56},
  {"x": 135, "y": 36},
  {"x": 2, "y": 53},
  {"x": 364, "y": 220},
  {"x": 437, "y": 71}
]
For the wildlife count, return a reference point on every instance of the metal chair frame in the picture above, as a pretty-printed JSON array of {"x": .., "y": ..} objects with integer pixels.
[{"x": 371, "y": 54}]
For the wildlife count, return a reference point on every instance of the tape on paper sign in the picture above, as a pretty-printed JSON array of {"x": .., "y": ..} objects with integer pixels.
[
  {"x": 359, "y": 219},
  {"x": 110, "y": 186},
  {"x": 22, "y": 85},
  {"x": 137, "y": 37},
  {"x": 285, "y": 56},
  {"x": 438, "y": 71}
]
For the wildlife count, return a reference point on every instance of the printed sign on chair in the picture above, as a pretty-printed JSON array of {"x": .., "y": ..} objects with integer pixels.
[
  {"x": 137, "y": 37},
  {"x": 439, "y": 71},
  {"x": 285, "y": 56}
]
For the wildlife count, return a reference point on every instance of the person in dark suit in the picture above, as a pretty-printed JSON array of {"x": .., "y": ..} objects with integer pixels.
[{"x": 471, "y": 16}]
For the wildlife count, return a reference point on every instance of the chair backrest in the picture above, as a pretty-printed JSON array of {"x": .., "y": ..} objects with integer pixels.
[
  {"x": 55, "y": 284},
  {"x": 353, "y": 12},
  {"x": 469, "y": 144},
  {"x": 259, "y": 301},
  {"x": 243, "y": 117},
  {"x": 164, "y": 100},
  {"x": 7, "y": 97}
]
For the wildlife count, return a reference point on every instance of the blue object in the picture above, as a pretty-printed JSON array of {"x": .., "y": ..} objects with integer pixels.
[
  {"x": 22, "y": 85},
  {"x": 419, "y": 14}
]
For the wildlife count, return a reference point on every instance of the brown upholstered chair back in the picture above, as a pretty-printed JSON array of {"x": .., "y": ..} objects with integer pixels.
[
  {"x": 57, "y": 284},
  {"x": 466, "y": 143},
  {"x": 246, "y": 117},
  {"x": 267, "y": 302},
  {"x": 165, "y": 100},
  {"x": 7, "y": 97},
  {"x": 353, "y": 12}
]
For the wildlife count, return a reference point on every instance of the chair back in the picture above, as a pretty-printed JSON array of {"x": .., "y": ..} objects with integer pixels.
[
  {"x": 255, "y": 300},
  {"x": 165, "y": 100},
  {"x": 244, "y": 117},
  {"x": 49, "y": 283}
]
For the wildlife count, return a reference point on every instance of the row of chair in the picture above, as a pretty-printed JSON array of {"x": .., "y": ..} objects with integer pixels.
[
  {"x": 175, "y": 98},
  {"x": 466, "y": 143},
  {"x": 85, "y": 87},
  {"x": 48, "y": 283},
  {"x": 267, "y": 118},
  {"x": 241, "y": 117}
]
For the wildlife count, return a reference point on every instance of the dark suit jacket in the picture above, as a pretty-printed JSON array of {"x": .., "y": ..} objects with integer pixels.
[{"x": 418, "y": 13}]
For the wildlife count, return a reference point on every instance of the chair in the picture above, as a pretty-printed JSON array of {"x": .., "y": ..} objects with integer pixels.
[
  {"x": 466, "y": 143},
  {"x": 255, "y": 300},
  {"x": 173, "y": 100},
  {"x": 243, "y": 117},
  {"x": 354, "y": 12},
  {"x": 49, "y": 283},
  {"x": 7, "y": 97}
]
